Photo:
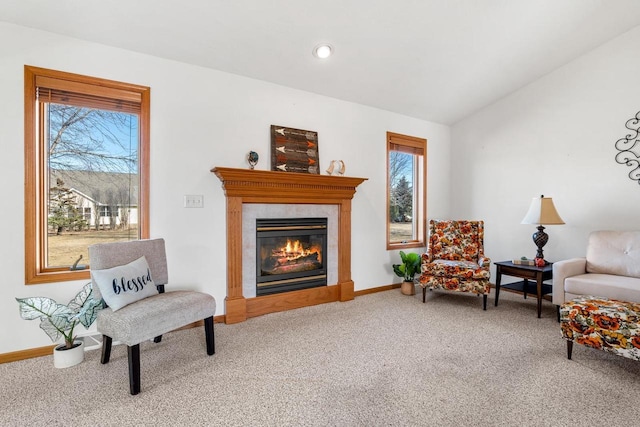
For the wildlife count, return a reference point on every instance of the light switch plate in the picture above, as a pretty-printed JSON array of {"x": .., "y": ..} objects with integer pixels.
[{"x": 193, "y": 201}]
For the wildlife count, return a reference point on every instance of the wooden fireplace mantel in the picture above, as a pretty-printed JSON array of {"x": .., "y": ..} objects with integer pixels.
[{"x": 257, "y": 186}]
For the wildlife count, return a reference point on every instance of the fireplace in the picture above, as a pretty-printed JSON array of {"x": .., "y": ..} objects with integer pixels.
[
  {"x": 244, "y": 188},
  {"x": 290, "y": 254}
]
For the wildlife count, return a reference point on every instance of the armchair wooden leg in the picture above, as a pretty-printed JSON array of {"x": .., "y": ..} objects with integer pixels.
[
  {"x": 208, "y": 331},
  {"x": 424, "y": 294},
  {"x": 569, "y": 349},
  {"x": 134, "y": 368},
  {"x": 157, "y": 339},
  {"x": 484, "y": 302},
  {"x": 106, "y": 349}
]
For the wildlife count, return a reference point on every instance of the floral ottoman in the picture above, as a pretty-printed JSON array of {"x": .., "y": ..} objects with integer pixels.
[{"x": 602, "y": 323}]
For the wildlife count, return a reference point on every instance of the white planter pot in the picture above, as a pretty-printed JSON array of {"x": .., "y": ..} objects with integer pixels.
[{"x": 65, "y": 358}]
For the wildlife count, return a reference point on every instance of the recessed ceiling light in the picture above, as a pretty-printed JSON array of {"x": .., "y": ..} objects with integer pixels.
[{"x": 322, "y": 51}]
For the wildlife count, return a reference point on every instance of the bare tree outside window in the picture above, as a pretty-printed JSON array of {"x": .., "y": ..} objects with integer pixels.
[
  {"x": 406, "y": 196},
  {"x": 85, "y": 138},
  {"x": 401, "y": 186},
  {"x": 401, "y": 172},
  {"x": 92, "y": 139},
  {"x": 94, "y": 151}
]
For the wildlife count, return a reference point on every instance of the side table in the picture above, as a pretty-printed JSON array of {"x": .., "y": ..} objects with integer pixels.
[{"x": 526, "y": 272}]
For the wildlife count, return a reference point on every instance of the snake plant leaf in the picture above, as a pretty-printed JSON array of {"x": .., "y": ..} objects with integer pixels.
[{"x": 35, "y": 307}]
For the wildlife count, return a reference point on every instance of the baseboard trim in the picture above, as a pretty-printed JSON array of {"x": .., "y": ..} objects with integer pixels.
[
  {"x": 378, "y": 289},
  {"x": 47, "y": 350},
  {"x": 15, "y": 356}
]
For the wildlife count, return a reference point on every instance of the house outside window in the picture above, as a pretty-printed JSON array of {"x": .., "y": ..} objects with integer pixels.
[
  {"x": 86, "y": 162},
  {"x": 105, "y": 211},
  {"x": 86, "y": 213},
  {"x": 406, "y": 191}
]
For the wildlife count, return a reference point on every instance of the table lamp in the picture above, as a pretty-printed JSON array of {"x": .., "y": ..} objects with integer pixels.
[{"x": 542, "y": 212}]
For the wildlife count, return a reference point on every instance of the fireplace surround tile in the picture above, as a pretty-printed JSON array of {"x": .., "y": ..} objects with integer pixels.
[{"x": 253, "y": 211}]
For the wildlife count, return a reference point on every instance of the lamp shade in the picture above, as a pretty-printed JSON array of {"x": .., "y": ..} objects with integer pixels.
[{"x": 542, "y": 212}]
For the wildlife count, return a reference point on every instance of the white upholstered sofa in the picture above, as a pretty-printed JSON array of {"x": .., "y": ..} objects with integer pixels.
[{"x": 611, "y": 269}]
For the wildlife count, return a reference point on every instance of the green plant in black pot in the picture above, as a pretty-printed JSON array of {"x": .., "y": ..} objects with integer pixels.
[{"x": 411, "y": 265}]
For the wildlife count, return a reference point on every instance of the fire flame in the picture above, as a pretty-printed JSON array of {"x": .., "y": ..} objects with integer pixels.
[{"x": 293, "y": 250}]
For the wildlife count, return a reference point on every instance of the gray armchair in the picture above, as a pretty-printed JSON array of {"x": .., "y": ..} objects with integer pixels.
[{"x": 152, "y": 316}]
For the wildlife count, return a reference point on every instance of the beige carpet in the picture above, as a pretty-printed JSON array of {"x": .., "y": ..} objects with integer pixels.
[{"x": 380, "y": 360}]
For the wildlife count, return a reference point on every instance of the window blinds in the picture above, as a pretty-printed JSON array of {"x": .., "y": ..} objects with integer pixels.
[
  {"x": 405, "y": 144},
  {"x": 59, "y": 91}
]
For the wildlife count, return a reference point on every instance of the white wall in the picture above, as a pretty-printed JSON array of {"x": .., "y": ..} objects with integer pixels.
[
  {"x": 201, "y": 118},
  {"x": 554, "y": 137}
]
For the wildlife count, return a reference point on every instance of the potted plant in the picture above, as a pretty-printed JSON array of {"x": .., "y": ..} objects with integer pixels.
[
  {"x": 411, "y": 265},
  {"x": 59, "y": 320}
]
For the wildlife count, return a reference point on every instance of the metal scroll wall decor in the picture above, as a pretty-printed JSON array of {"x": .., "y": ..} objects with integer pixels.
[{"x": 629, "y": 148}]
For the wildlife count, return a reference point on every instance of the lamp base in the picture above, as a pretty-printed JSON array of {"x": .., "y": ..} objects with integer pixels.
[{"x": 540, "y": 238}]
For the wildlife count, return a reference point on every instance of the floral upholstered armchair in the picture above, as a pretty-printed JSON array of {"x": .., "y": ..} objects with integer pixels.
[{"x": 455, "y": 260}]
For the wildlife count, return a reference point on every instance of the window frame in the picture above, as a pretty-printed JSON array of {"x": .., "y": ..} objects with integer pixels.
[
  {"x": 105, "y": 211},
  {"x": 416, "y": 145},
  {"x": 34, "y": 181}
]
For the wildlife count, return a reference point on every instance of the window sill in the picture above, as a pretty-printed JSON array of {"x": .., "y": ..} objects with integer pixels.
[
  {"x": 36, "y": 278},
  {"x": 407, "y": 245}
]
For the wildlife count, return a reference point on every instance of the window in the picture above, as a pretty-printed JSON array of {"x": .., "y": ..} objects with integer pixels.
[
  {"x": 86, "y": 169},
  {"x": 406, "y": 191},
  {"x": 105, "y": 211}
]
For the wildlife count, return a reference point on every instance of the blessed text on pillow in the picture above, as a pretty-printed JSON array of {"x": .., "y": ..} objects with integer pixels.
[{"x": 125, "y": 284}]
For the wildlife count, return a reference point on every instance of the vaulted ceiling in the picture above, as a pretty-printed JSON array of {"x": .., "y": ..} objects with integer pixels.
[{"x": 438, "y": 60}]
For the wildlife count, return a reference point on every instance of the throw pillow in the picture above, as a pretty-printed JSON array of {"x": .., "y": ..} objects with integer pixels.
[{"x": 125, "y": 284}]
